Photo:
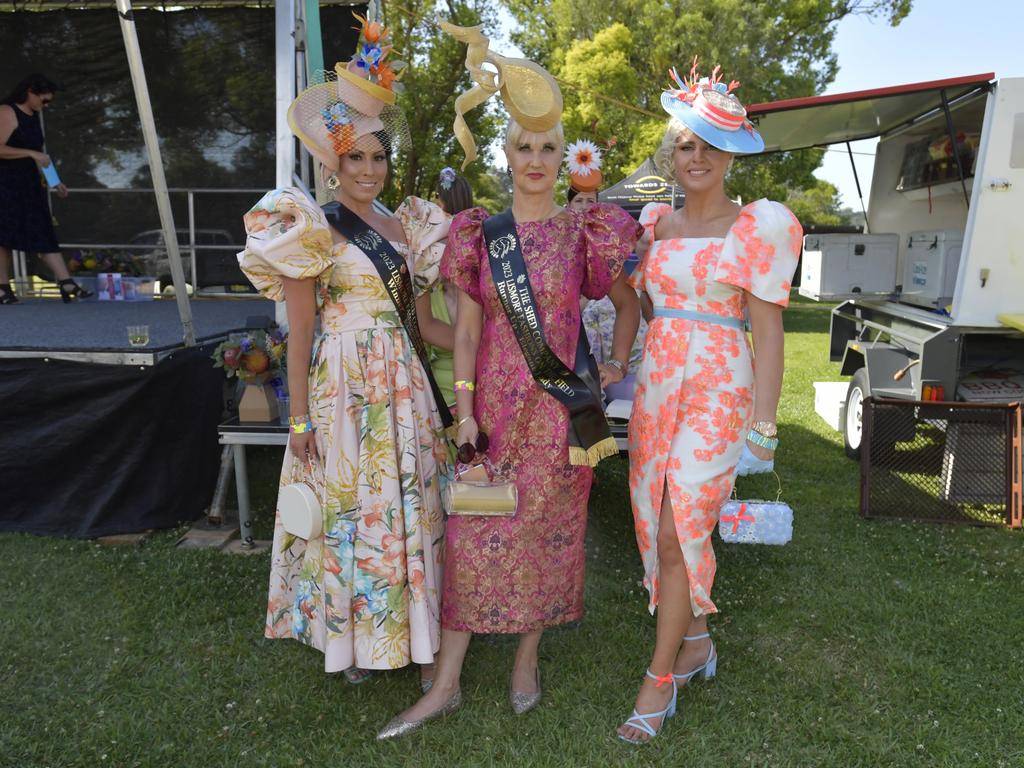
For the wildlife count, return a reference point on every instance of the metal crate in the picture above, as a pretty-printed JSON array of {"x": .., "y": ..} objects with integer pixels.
[{"x": 944, "y": 462}]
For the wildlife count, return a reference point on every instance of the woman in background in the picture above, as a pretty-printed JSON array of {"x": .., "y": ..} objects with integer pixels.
[{"x": 26, "y": 223}]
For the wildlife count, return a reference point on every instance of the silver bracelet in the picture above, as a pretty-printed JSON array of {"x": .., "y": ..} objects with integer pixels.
[{"x": 617, "y": 364}]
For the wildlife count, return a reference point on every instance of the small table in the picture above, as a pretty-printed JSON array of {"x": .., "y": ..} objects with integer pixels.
[{"x": 238, "y": 435}]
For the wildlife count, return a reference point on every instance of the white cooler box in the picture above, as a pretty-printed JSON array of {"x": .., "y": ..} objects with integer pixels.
[
  {"x": 930, "y": 264},
  {"x": 847, "y": 266}
]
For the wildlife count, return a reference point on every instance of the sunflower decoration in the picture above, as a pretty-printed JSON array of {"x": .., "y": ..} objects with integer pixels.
[{"x": 583, "y": 160}]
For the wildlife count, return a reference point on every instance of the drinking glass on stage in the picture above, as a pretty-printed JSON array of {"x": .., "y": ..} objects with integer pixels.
[{"x": 138, "y": 335}]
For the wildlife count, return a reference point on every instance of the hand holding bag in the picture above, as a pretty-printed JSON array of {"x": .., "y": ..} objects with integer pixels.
[
  {"x": 756, "y": 521},
  {"x": 300, "y": 507},
  {"x": 475, "y": 492}
]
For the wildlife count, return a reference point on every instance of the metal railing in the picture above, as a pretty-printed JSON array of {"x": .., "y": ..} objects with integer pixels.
[{"x": 26, "y": 286}]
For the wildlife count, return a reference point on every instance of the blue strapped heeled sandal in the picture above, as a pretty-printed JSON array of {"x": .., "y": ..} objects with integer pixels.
[
  {"x": 707, "y": 670},
  {"x": 640, "y": 721}
]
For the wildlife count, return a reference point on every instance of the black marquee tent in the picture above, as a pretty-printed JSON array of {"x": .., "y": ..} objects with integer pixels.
[{"x": 644, "y": 185}]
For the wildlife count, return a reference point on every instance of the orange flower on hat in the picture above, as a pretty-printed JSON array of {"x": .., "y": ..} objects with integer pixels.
[
  {"x": 385, "y": 76},
  {"x": 372, "y": 31}
]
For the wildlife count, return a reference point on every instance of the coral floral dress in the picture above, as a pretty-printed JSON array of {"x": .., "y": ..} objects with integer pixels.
[
  {"x": 524, "y": 573},
  {"x": 694, "y": 394},
  {"x": 366, "y": 591}
]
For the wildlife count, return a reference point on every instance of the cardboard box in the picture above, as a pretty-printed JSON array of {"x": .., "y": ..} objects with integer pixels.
[
  {"x": 109, "y": 286},
  {"x": 830, "y": 402},
  {"x": 138, "y": 288}
]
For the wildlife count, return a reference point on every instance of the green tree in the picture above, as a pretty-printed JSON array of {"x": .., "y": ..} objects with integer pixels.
[
  {"x": 435, "y": 76},
  {"x": 613, "y": 71},
  {"x": 819, "y": 204}
]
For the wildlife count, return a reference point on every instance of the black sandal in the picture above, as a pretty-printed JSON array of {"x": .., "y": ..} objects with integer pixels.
[
  {"x": 7, "y": 294},
  {"x": 70, "y": 290}
]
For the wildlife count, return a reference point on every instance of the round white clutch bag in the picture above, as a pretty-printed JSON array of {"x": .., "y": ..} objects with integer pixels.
[{"x": 300, "y": 511}]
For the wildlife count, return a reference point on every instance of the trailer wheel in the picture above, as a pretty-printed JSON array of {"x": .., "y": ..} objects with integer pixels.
[{"x": 858, "y": 392}]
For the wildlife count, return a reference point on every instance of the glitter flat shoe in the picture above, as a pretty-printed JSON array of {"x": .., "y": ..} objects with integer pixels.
[
  {"x": 524, "y": 702},
  {"x": 399, "y": 726}
]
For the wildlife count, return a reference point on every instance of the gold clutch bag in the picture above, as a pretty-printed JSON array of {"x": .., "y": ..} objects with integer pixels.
[{"x": 474, "y": 494}]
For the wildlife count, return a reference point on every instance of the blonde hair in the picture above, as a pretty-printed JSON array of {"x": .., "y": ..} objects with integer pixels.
[
  {"x": 663, "y": 154},
  {"x": 514, "y": 133}
]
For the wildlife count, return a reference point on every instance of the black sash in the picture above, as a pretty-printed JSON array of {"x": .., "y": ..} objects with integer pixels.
[
  {"x": 590, "y": 439},
  {"x": 395, "y": 274}
]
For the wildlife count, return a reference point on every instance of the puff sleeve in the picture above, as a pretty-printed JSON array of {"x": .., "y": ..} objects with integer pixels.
[
  {"x": 460, "y": 264},
  {"x": 649, "y": 216},
  {"x": 761, "y": 250},
  {"x": 609, "y": 235},
  {"x": 286, "y": 236},
  {"x": 426, "y": 226}
]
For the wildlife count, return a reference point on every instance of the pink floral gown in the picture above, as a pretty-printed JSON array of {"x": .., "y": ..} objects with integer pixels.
[
  {"x": 694, "y": 394},
  {"x": 366, "y": 591},
  {"x": 524, "y": 573}
]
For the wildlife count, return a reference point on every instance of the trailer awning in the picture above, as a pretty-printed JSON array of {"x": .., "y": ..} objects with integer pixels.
[{"x": 818, "y": 121}]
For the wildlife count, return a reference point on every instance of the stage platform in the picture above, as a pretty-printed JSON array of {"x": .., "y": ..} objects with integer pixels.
[
  {"x": 96, "y": 331},
  {"x": 98, "y": 438}
]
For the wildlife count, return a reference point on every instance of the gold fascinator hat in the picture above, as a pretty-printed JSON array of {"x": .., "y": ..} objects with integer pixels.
[
  {"x": 529, "y": 93},
  {"x": 357, "y": 98}
]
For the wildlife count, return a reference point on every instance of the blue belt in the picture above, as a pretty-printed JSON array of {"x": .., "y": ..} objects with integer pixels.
[{"x": 702, "y": 317}]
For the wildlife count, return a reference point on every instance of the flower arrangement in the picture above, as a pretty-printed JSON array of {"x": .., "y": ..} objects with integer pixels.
[
  {"x": 251, "y": 355},
  {"x": 373, "y": 49},
  {"x": 95, "y": 261}
]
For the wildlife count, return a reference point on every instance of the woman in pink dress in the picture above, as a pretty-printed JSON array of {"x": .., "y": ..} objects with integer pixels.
[
  {"x": 523, "y": 574},
  {"x": 702, "y": 408}
]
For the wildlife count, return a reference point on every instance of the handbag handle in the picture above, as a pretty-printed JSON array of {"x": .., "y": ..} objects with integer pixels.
[
  {"x": 778, "y": 495},
  {"x": 313, "y": 485},
  {"x": 485, "y": 462}
]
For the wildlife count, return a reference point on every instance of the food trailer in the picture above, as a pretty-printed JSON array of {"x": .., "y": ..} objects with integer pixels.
[{"x": 930, "y": 297}]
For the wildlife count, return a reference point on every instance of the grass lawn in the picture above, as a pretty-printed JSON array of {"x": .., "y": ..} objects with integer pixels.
[{"x": 858, "y": 644}]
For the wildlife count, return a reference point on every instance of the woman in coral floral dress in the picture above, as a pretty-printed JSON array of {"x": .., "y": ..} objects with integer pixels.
[{"x": 701, "y": 407}]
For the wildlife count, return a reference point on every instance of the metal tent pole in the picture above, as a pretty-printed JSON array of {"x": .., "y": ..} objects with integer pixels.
[
  {"x": 284, "y": 47},
  {"x": 956, "y": 152},
  {"x": 156, "y": 167},
  {"x": 284, "y": 93},
  {"x": 860, "y": 195}
]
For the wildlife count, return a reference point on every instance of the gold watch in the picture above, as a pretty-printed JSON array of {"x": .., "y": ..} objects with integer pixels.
[{"x": 766, "y": 428}]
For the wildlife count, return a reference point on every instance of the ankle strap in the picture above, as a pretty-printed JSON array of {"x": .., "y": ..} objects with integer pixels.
[
  {"x": 697, "y": 637},
  {"x": 660, "y": 680}
]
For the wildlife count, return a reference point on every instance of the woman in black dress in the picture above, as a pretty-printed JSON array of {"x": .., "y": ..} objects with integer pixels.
[{"x": 25, "y": 220}]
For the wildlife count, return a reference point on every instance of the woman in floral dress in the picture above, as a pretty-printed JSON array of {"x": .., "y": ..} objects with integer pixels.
[
  {"x": 523, "y": 574},
  {"x": 702, "y": 408},
  {"x": 366, "y": 592}
]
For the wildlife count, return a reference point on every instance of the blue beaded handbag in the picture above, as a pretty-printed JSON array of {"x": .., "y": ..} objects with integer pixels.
[{"x": 755, "y": 521}]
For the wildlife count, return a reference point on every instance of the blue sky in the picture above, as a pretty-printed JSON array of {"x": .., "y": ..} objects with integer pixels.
[{"x": 938, "y": 39}]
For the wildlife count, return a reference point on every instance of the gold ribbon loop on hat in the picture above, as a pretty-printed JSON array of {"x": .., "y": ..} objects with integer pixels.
[
  {"x": 530, "y": 94},
  {"x": 487, "y": 83}
]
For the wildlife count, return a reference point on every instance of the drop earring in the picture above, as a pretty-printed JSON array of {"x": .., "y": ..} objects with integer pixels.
[{"x": 509, "y": 171}]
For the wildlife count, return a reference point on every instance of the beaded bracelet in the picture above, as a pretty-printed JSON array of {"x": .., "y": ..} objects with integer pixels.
[
  {"x": 769, "y": 443},
  {"x": 462, "y": 385},
  {"x": 299, "y": 425}
]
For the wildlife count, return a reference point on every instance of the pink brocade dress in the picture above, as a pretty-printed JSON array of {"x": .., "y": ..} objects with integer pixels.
[
  {"x": 524, "y": 573},
  {"x": 695, "y": 388}
]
